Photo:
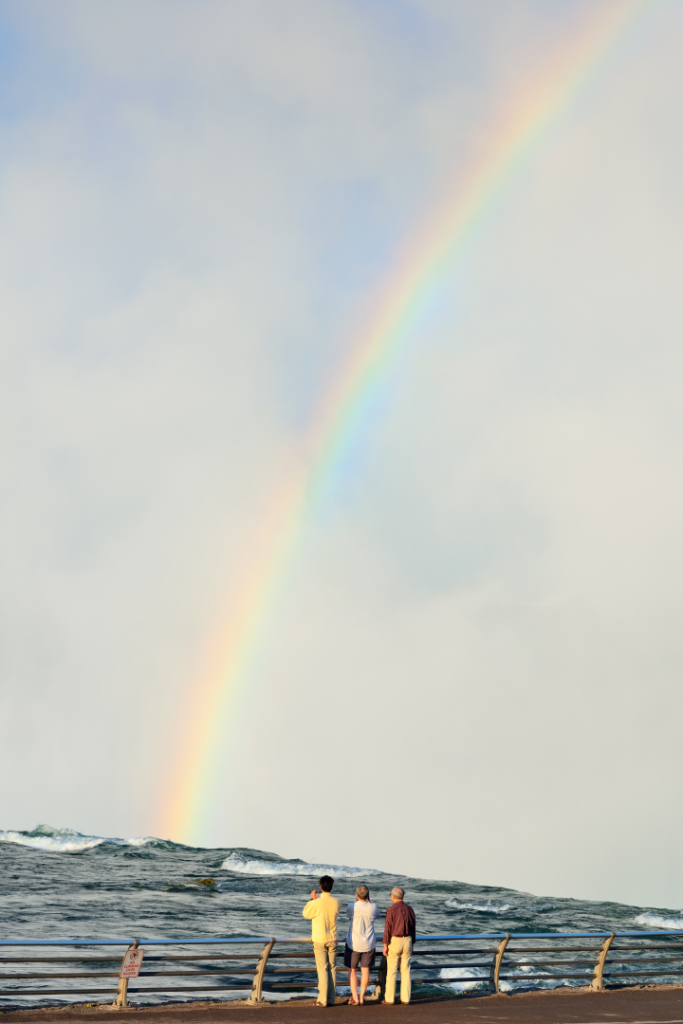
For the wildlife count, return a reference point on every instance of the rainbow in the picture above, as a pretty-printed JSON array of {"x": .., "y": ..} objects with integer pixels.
[{"x": 191, "y": 786}]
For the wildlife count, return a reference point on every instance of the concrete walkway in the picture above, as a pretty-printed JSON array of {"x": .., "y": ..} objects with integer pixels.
[{"x": 625, "y": 1006}]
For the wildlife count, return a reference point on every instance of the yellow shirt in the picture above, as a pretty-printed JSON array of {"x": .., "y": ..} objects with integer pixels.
[{"x": 323, "y": 913}]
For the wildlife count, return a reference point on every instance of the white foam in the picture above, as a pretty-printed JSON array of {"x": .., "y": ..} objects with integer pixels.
[
  {"x": 490, "y": 907},
  {"x": 53, "y": 840},
  {"x": 476, "y": 976},
  {"x": 65, "y": 840},
  {"x": 256, "y": 866},
  {"x": 657, "y": 921},
  {"x": 463, "y": 979}
]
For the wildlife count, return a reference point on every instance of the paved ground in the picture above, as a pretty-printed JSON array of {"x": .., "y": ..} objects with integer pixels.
[{"x": 627, "y": 1006}]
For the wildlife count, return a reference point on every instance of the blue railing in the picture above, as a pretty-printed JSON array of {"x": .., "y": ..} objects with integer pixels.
[{"x": 231, "y": 967}]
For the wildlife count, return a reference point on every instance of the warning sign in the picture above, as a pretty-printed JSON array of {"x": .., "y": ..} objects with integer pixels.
[{"x": 132, "y": 962}]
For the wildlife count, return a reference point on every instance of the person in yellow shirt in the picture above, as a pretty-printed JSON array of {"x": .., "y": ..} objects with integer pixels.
[{"x": 322, "y": 911}]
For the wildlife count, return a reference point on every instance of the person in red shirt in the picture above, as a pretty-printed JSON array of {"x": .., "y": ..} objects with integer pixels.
[{"x": 399, "y": 938}]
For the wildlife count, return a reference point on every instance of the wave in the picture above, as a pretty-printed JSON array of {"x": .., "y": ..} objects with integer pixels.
[
  {"x": 261, "y": 866},
  {"x": 657, "y": 921},
  {"x": 490, "y": 907},
  {"x": 242, "y": 861},
  {"x": 66, "y": 840},
  {"x": 464, "y": 979}
]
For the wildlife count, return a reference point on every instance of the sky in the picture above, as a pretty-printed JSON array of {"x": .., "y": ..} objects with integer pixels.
[{"x": 474, "y": 668}]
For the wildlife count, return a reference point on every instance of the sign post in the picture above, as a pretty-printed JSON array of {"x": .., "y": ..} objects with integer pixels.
[{"x": 130, "y": 968}]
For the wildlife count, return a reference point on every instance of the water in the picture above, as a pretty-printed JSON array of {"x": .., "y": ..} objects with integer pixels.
[{"x": 60, "y": 884}]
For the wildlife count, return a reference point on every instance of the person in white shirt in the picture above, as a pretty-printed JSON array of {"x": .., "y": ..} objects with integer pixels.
[{"x": 360, "y": 942}]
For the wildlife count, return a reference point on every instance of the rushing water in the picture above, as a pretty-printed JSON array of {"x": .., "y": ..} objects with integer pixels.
[{"x": 60, "y": 884}]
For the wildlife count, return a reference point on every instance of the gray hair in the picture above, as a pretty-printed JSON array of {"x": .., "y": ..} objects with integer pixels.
[
  {"x": 397, "y": 891},
  {"x": 362, "y": 892}
]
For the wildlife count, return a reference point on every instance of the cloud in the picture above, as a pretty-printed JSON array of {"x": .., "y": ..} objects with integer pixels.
[{"x": 198, "y": 202}]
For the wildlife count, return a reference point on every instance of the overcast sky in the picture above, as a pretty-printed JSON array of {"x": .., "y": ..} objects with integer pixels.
[{"x": 199, "y": 199}]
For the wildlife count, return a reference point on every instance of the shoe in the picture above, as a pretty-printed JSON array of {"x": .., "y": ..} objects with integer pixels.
[{"x": 385, "y": 1002}]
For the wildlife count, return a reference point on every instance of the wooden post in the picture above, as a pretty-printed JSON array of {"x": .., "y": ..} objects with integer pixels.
[
  {"x": 122, "y": 991},
  {"x": 257, "y": 985},
  {"x": 497, "y": 961},
  {"x": 596, "y": 983}
]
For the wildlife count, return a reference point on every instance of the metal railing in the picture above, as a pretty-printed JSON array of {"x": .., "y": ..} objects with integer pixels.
[{"x": 256, "y": 967}]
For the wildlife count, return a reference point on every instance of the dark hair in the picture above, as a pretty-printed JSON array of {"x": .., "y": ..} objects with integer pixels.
[{"x": 326, "y": 883}]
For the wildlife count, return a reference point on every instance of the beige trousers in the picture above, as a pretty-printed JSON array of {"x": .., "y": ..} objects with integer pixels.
[
  {"x": 400, "y": 948},
  {"x": 325, "y": 953}
]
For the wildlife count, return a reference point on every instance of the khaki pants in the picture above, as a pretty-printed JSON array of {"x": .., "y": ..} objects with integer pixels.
[
  {"x": 325, "y": 953},
  {"x": 400, "y": 948}
]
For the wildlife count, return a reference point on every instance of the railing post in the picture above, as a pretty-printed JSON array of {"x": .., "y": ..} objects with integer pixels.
[
  {"x": 122, "y": 992},
  {"x": 596, "y": 983},
  {"x": 495, "y": 966},
  {"x": 257, "y": 984}
]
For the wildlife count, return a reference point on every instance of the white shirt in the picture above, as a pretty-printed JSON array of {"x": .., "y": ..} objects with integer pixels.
[{"x": 361, "y": 934}]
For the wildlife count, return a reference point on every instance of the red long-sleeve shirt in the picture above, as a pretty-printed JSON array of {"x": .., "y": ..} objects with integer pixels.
[{"x": 400, "y": 920}]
